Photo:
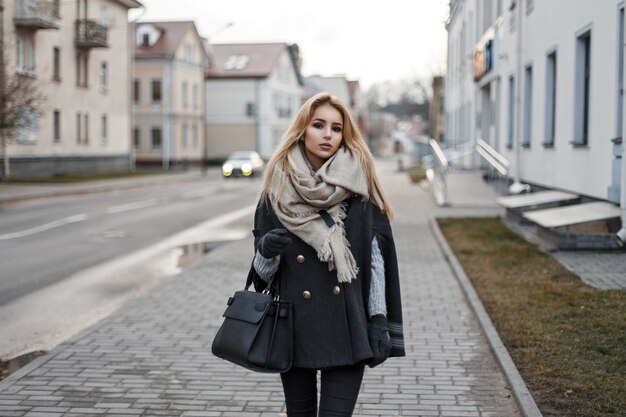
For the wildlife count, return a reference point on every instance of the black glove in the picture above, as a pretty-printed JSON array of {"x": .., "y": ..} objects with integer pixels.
[
  {"x": 379, "y": 339},
  {"x": 273, "y": 243}
]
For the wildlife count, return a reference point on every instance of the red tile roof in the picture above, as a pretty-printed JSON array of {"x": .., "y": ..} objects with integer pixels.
[
  {"x": 172, "y": 34},
  {"x": 263, "y": 58}
]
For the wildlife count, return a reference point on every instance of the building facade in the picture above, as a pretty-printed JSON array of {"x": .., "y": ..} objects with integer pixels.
[
  {"x": 253, "y": 92},
  {"x": 168, "y": 94},
  {"x": 78, "y": 54},
  {"x": 541, "y": 82}
]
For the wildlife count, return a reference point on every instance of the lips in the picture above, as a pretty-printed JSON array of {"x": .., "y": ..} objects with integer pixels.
[{"x": 326, "y": 146}]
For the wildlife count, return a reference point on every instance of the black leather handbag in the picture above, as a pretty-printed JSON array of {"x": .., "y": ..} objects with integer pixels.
[{"x": 257, "y": 331}]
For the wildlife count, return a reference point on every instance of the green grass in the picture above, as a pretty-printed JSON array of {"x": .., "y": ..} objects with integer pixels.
[
  {"x": 71, "y": 178},
  {"x": 567, "y": 339},
  {"x": 416, "y": 173}
]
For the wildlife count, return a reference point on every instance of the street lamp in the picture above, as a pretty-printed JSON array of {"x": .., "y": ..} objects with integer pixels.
[{"x": 220, "y": 30}]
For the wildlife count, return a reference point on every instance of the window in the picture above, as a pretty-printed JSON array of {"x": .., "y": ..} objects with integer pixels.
[
  {"x": 137, "y": 138},
  {"x": 511, "y": 110},
  {"x": 550, "y": 102},
  {"x": 194, "y": 134},
  {"x": 136, "y": 91},
  {"x": 145, "y": 39},
  {"x": 530, "y": 6},
  {"x": 82, "y": 69},
  {"x": 31, "y": 55},
  {"x": 56, "y": 123},
  {"x": 195, "y": 96},
  {"x": 104, "y": 15},
  {"x": 56, "y": 64},
  {"x": 185, "y": 94},
  {"x": 104, "y": 76},
  {"x": 250, "y": 109},
  {"x": 86, "y": 118},
  {"x": 156, "y": 91},
  {"x": 155, "y": 138},
  {"x": 528, "y": 105},
  {"x": 103, "y": 129},
  {"x": 20, "y": 54},
  {"x": 27, "y": 125},
  {"x": 581, "y": 91},
  {"x": 236, "y": 62},
  {"x": 78, "y": 128},
  {"x": 185, "y": 135}
]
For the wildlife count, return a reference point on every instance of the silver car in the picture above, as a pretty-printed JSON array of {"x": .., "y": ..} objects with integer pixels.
[{"x": 243, "y": 164}]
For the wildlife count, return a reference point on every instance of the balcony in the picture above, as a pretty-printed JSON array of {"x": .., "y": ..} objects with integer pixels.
[
  {"x": 90, "y": 34},
  {"x": 36, "y": 14}
]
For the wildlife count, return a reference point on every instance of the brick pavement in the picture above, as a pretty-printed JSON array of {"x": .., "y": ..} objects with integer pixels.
[{"x": 152, "y": 357}]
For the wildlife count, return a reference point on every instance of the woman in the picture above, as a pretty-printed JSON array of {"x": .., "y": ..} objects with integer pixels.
[{"x": 323, "y": 225}]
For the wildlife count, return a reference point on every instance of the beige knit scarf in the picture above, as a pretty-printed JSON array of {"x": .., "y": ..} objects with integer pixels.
[{"x": 297, "y": 197}]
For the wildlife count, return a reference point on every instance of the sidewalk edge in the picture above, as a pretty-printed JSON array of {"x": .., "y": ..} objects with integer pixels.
[
  {"x": 521, "y": 393},
  {"x": 52, "y": 353}
]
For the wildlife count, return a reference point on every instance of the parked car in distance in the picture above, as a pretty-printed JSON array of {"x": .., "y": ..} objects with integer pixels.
[{"x": 243, "y": 164}]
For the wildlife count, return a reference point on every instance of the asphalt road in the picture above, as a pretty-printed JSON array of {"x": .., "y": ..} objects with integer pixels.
[{"x": 50, "y": 249}]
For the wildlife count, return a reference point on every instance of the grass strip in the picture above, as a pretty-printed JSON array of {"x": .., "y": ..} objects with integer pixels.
[
  {"x": 567, "y": 339},
  {"x": 416, "y": 173}
]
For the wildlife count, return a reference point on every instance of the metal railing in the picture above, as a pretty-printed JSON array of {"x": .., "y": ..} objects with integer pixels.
[
  {"x": 497, "y": 167},
  {"x": 436, "y": 173},
  {"x": 43, "y": 14},
  {"x": 90, "y": 34}
]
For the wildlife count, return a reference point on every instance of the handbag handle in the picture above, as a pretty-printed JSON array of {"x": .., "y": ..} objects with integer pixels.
[{"x": 271, "y": 287}]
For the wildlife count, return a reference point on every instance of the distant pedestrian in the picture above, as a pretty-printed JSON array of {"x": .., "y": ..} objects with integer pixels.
[{"x": 323, "y": 225}]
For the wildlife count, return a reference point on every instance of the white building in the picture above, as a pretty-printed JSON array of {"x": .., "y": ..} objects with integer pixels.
[
  {"x": 253, "y": 91},
  {"x": 547, "y": 75},
  {"x": 78, "y": 54}
]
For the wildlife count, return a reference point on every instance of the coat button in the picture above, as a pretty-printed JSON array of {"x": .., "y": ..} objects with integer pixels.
[
  {"x": 300, "y": 259},
  {"x": 306, "y": 295},
  {"x": 336, "y": 290}
]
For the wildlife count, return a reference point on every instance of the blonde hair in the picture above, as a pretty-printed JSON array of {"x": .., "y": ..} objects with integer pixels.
[{"x": 352, "y": 139}]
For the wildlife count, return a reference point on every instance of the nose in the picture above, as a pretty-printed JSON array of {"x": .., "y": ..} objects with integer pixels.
[{"x": 327, "y": 133}]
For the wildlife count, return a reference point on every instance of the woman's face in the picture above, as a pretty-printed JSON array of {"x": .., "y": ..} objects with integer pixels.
[{"x": 323, "y": 135}]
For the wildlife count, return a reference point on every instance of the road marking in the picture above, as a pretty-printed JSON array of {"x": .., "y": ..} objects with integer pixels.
[
  {"x": 68, "y": 220},
  {"x": 132, "y": 206}
]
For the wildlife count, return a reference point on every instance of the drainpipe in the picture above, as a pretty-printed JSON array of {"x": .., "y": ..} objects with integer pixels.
[
  {"x": 517, "y": 187},
  {"x": 621, "y": 234}
]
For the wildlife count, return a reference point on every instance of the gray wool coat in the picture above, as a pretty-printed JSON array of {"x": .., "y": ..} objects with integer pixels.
[{"x": 330, "y": 318}]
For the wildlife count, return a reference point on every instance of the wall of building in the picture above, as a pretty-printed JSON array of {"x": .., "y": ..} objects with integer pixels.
[
  {"x": 101, "y": 104},
  {"x": 487, "y": 108}
]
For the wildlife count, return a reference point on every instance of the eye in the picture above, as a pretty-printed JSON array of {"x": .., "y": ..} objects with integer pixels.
[
  {"x": 337, "y": 129},
  {"x": 318, "y": 125}
]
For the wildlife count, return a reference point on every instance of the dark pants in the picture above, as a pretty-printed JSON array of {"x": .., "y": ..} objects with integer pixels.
[{"x": 339, "y": 391}]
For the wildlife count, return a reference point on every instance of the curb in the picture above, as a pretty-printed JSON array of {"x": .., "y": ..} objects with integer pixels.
[{"x": 520, "y": 391}]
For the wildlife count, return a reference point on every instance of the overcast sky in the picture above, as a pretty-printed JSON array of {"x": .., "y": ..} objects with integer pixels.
[{"x": 367, "y": 40}]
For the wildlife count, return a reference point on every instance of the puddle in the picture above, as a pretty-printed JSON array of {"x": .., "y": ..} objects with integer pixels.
[
  {"x": 191, "y": 252},
  {"x": 10, "y": 366}
]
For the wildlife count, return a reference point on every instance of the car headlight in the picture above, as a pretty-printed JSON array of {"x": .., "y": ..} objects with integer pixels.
[
  {"x": 246, "y": 169},
  {"x": 227, "y": 169}
]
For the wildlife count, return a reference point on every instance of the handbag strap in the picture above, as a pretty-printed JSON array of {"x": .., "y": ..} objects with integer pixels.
[{"x": 272, "y": 286}]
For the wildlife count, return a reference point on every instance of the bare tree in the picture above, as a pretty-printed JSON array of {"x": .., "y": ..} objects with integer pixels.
[{"x": 20, "y": 100}]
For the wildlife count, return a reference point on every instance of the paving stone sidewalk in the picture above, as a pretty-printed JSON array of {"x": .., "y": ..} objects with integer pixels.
[{"x": 152, "y": 357}]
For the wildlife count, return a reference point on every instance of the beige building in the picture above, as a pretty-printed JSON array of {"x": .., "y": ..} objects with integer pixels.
[
  {"x": 78, "y": 53},
  {"x": 253, "y": 92},
  {"x": 168, "y": 94}
]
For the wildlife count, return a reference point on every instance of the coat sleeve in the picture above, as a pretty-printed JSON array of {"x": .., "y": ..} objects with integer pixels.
[
  {"x": 384, "y": 235},
  {"x": 263, "y": 223}
]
